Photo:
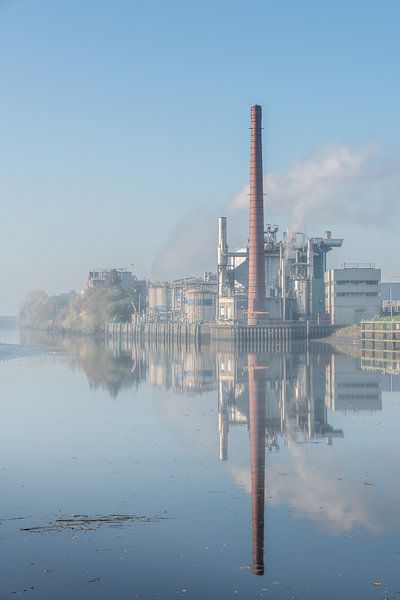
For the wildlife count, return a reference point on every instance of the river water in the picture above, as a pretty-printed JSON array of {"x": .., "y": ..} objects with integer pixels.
[{"x": 145, "y": 473}]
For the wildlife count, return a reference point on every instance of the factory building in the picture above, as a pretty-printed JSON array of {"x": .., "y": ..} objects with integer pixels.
[
  {"x": 294, "y": 276},
  {"x": 199, "y": 305},
  {"x": 190, "y": 300},
  {"x": 160, "y": 299},
  {"x": 271, "y": 278},
  {"x": 352, "y": 293}
]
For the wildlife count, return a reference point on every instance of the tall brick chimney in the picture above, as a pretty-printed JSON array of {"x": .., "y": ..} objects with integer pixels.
[{"x": 256, "y": 285}]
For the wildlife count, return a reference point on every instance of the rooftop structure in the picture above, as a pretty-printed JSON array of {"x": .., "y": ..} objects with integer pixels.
[{"x": 99, "y": 277}]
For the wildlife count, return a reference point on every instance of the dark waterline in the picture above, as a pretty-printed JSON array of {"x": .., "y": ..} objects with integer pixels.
[{"x": 145, "y": 473}]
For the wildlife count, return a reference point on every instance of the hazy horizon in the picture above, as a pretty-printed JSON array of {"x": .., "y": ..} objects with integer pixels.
[{"x": 125, "y": 133}]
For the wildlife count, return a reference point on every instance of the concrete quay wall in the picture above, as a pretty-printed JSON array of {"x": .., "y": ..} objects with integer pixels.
[{"x": 170, "y": 333}]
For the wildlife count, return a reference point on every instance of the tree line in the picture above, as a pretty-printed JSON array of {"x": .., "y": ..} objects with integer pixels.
[{"x": 79, "y": 313}]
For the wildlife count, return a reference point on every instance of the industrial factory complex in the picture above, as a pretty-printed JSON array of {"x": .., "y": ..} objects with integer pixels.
[
  {"x": 271, "y": 280},
  {"x": 298, "y": 285}
]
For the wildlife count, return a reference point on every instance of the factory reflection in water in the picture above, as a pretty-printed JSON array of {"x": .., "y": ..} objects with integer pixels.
[{"x": 282, "y": 398}]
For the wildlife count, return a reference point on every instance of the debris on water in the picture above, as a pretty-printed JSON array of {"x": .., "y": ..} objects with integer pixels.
[
  {"x": 87, "y": 523},
  {"x": 13, "y": 519},
  {"x": 377, "y": 583}
]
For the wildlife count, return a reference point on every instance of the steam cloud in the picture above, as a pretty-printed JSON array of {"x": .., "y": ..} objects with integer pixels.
[
  {"x": 337, "y": 183},
  {"x": 190, "y": 249}
]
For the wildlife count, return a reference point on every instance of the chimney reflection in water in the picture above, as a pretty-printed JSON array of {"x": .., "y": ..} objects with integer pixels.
[{"x": 257, "y": 393}]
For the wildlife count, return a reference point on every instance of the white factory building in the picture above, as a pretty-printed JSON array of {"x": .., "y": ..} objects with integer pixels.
[{"x": 352, "y": 293}]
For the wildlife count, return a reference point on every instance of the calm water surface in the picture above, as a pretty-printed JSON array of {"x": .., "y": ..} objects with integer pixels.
[{"x": 269, "y": 475}]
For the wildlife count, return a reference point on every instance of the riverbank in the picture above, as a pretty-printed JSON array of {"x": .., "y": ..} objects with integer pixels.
[{"x": 346, "y": 340}]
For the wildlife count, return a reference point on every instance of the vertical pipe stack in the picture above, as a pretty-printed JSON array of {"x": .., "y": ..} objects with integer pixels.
[
  {"x": 256, "y": 286},
  {"x": 257, "y": 393},
  {"x": 222, "y": 260}
]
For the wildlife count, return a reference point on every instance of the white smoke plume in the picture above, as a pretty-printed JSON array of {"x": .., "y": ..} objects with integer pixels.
[
  {"x": 334, "y": 183},
  {"x": 191, "y": 248}
]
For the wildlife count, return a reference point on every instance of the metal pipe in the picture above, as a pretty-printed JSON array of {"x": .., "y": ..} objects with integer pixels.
[
  {"x": 222, "y": 241},
  {"x": 283, "y": 282},
  {"x": 310, "y": 260},
  {"x": 222, "y": 258}
]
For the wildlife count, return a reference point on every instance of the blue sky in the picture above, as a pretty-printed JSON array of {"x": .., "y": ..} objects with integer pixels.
[{"x": 122, "y": 121}]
